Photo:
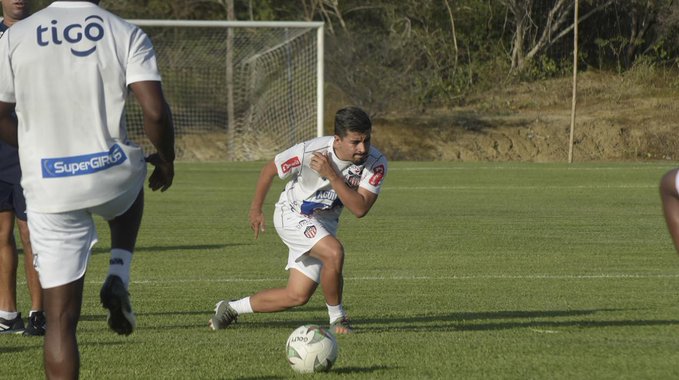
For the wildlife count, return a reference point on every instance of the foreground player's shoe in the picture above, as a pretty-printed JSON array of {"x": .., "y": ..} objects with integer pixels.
[
  {"x": 341, "y": 326},
  {"x": 36, "y": 324},
  {"x": 224, "y": 316},
  {"x": 12, "y": 326},
  {"x": 116, "y": 299}
]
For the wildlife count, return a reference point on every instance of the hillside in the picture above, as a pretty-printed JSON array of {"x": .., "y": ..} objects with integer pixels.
[{"x": 631, "y": 117}]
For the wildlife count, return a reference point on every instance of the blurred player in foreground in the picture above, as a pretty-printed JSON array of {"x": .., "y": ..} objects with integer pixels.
[
  {"x": 13, "y": 208},
  {"x": 669, "y": 195},
  {"x": 67, "y": 70},
  {"x": 326, "y": 174}
]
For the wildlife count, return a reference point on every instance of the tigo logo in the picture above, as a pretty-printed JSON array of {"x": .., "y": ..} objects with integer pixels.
[
  {"x": 81, "y": 165},
  {"x": 80, "y": 37}
]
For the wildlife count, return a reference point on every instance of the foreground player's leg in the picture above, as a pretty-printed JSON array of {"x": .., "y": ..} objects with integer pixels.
[
  {"x": 297, "y": 293},
  {"x": 62, "y": 310},
  {"x": 670, "y": 203},
  {"x": 10, "y": 319},
  {"x": 331, "y": 252},
  {"x": 36, "y": 317},
  {"x": 114, "y": 295}
]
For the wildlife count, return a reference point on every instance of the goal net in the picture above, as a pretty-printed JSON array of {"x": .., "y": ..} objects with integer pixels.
[{"x": 238, "y": 90}]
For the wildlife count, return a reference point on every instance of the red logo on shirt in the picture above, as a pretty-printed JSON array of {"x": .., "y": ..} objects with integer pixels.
[
  {"x": 289, "y": 164},
  {"x": 378, "y": 174}
]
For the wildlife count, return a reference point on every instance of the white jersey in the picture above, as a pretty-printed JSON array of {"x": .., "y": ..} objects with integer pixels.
[
  {"x": 67, "y": 68},
  {"x": 307, "y": 193}
]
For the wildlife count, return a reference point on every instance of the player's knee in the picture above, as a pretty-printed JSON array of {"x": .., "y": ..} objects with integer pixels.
[{"x": 298, "y": 298}]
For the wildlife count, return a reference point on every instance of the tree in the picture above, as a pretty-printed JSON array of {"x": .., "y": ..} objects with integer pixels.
[{"x": 536, "y": 30}]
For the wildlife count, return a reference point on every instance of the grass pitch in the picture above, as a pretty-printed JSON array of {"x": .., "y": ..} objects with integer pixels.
[{"x": 461, "y": 270}]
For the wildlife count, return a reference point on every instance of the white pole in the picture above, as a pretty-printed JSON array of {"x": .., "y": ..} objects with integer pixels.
[
  {"x": 575, "y": 80},
  {"x": 319, "y": 81}
]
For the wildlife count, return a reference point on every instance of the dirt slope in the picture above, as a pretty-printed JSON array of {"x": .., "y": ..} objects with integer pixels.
[{"x": 617, "y": 118}]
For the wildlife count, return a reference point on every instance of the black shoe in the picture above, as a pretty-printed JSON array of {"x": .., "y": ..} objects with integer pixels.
[
  {"x": 12, "y": 326},
  {"x": 224, "y": 316},
  {"x": 116, "y": 299},
  {"x": 36, "y": 324}
]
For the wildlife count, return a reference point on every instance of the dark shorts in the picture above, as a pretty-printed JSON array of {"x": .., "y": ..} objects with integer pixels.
[{"x": 12, "y": 198}]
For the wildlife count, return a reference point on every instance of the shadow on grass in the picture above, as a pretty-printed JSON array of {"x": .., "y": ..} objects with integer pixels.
[
  {"x": 357, "y": 370},
  {"x": 465, "y": 321},
  {"x": 9, "y": 350},
  {"x": 196, "y": 247},
  {"x": 462, "y": 321}
]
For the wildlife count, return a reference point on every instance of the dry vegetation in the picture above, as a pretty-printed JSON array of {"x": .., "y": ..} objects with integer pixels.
[{"x": 631, "y": 117}]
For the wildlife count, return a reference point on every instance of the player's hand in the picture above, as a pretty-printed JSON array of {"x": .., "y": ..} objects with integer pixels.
[
  {"x": 163, "y": 173},
  {"x": 257, "y": 221},
  {"x": 322, "y": 164}
]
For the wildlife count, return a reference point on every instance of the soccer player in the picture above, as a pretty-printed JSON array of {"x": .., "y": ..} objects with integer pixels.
[
  {"x": 326, "y": 174},
  {"x": 669, "y": 195},
  {"x": 13, "y": 208},
  {"x": 66, "y": 72}
]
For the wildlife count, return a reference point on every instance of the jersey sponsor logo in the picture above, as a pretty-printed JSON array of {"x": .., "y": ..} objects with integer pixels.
[
  {"x": 310, "y": 232},
  {"x": 82, "y": 165},
  {"x": 81, "y": 38},
  {"x": 330, "y": 195},
  {"x": 378, "y": 174},
  {"x": 290, "y": 164}
]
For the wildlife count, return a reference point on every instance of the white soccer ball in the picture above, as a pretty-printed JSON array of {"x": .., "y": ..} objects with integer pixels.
[{"x": 311, "y": 348}]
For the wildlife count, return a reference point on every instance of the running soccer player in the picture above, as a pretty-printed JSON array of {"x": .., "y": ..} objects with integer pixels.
[
  {"x": 67, "y": 70},
  {"x": 326, "y": 174}
]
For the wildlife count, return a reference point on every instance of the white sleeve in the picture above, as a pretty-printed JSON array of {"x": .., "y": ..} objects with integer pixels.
[
  {"x": 289, "y": 162},
  {"x": 7, "y": 94},
  {"x": 141, "y": 63},
  {"x": 373, "y": 176}
]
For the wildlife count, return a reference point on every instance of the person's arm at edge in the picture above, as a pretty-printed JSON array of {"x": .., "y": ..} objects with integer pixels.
[
  {"x": 159, "y": 129},
  {"x": 256, "y": 214}
]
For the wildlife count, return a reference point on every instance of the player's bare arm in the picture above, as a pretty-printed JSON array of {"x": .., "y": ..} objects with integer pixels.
[
  {"x": 159, "y": 129},
  {"x": 8, "y": 124},
  {"x": 358, "y": 201},
  {"x": 256, "y": 214}
]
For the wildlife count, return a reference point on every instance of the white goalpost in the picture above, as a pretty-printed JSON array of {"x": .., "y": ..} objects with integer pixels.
[{"x": 239, "y": 90}]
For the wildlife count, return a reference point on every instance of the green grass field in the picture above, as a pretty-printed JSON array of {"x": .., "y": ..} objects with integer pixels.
[{"x": 461, "y": 270}]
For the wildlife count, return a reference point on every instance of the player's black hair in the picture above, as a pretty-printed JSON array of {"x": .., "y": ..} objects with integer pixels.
[{"x": 352, "y": 119}]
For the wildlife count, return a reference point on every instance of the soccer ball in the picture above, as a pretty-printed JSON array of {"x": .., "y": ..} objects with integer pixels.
[{"x": 311, "y": 348}]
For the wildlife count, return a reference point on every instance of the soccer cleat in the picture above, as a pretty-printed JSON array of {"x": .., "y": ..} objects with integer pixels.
[
  {"x": 12, "y": 326},
  {"x": 36, "y": 324},
  {"x": 116, "y": 299},
  {"x": 224, "y": 316},
  {"x": 341, "y": 326}
]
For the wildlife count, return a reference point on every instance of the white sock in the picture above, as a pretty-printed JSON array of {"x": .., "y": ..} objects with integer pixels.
[
  {"x": 119, "y": 264},
  {"x": 242, "y": 306},
  {"x": 335, "y": 312},
  {"x": 8, "y": 315}
]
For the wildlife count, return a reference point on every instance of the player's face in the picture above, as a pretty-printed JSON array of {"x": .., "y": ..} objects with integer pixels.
[
  {"x": 353, "y": 147},
  {"x": 15, "y": 10}
]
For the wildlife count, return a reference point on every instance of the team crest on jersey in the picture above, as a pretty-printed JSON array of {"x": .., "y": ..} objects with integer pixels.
[
  {"x": 378, "y": 174},
  {"x": 290, "y": 164},
  {"x": 353, "y": 176},
  {"x": 310, "y": 232}
]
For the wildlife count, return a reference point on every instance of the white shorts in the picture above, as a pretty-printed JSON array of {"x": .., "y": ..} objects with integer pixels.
[
  {"x": 62, "y": 242},
  {"x": 300, "y": 233}
]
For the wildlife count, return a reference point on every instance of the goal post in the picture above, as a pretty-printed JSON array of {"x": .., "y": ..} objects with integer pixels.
[{"x": 239, "y": 90}]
